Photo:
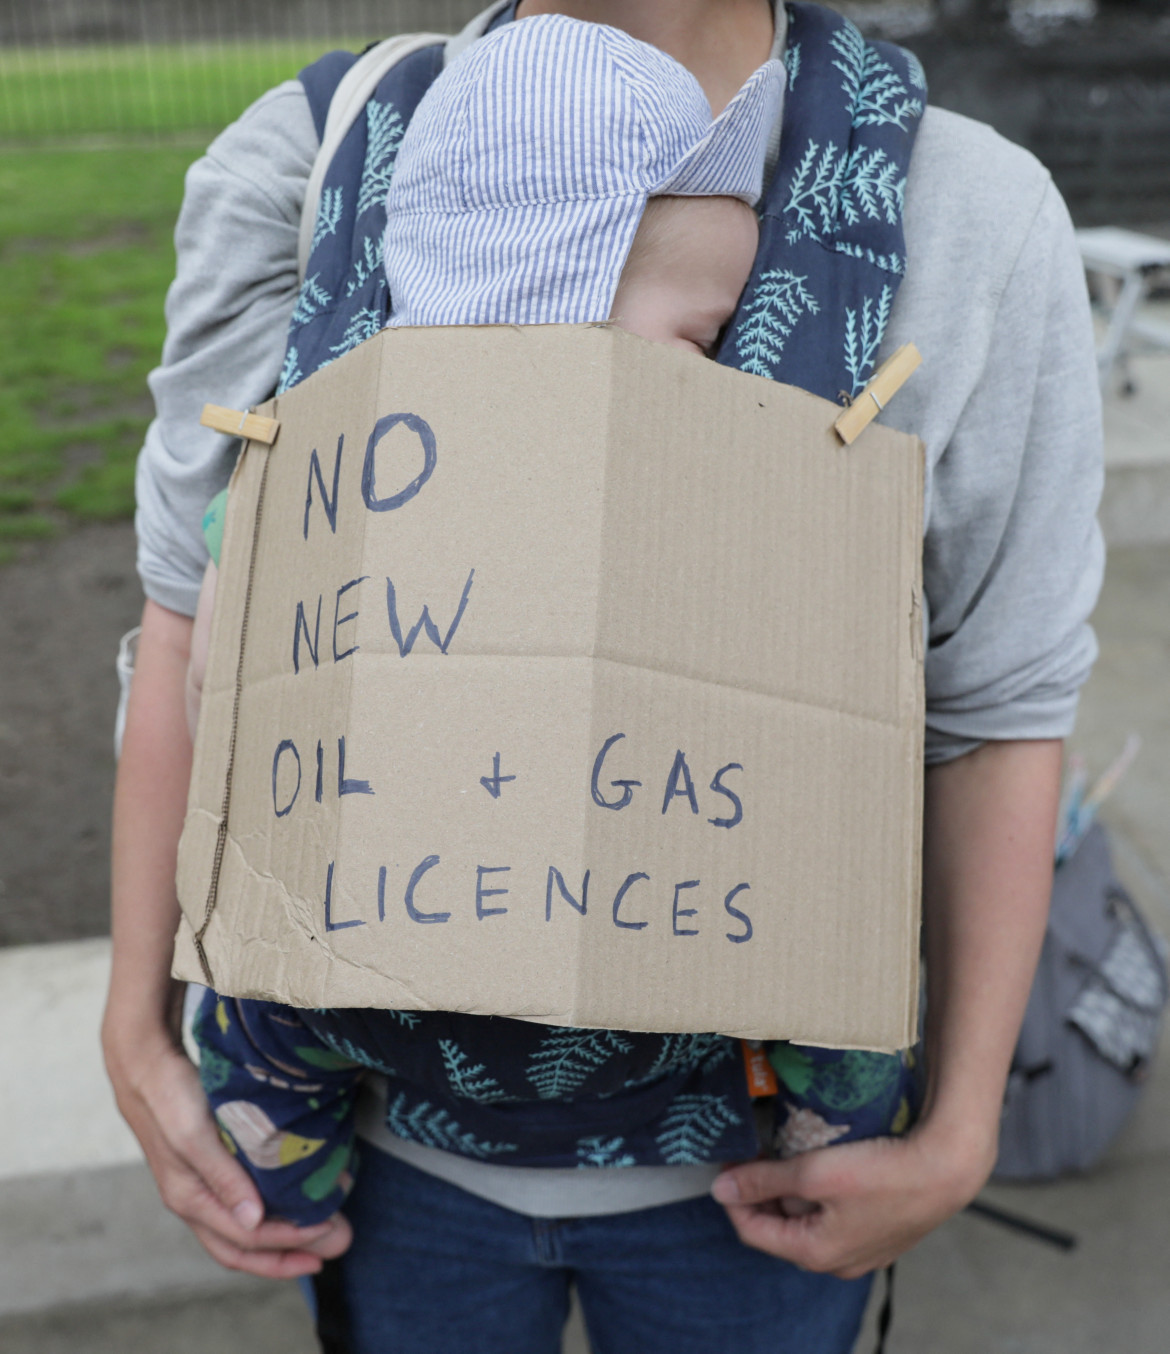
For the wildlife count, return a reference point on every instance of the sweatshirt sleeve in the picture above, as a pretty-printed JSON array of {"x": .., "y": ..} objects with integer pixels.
[
  {"x": 1013, "y": 556},
  {"x": 227, "y": 316}
]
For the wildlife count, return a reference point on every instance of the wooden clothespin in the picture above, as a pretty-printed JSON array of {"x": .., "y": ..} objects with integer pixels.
[
  {"x": 237, "y": 423},
  {"x": 887, "y": 381}
]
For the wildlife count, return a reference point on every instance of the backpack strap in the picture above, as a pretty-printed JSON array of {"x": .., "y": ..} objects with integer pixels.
[
  {"x": 886, "y": 1316},
  {"x": 320, "y": 81},
  {"x": 832, "y": 248},
  {"x": 349, "y": 99}
]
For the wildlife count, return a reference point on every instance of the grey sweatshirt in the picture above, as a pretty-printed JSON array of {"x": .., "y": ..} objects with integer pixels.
[{"x": 1007, "y": 403}]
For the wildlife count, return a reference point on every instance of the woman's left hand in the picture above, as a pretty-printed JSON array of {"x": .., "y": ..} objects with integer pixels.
[
  {"x": 990, "y": 822},
  {"x": 854, "y": 1208}
]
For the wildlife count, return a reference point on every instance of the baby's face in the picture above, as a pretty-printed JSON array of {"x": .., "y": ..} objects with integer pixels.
[{"x": 689, "y": 262}]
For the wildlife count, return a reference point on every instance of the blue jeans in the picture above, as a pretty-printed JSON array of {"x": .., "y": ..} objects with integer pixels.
[{"x": 435, "y": 1270}]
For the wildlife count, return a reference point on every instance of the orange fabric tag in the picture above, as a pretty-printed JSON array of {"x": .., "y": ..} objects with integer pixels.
[{"x": 761, "y": 1079}]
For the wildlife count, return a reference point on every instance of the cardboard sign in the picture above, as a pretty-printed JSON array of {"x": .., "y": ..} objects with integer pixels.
[{"x": 562, "y": 675}]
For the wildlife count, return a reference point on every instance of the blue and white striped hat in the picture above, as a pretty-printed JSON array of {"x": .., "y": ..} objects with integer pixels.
[{"x": 526, "y": 168}]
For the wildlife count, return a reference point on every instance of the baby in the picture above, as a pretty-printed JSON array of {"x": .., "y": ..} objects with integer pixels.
[{"x": 558, "y": 172}]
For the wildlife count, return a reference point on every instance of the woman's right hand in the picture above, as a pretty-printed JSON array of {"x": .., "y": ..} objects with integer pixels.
[
  {"x": 156, "y": 1087},
  {"x": 159, "y": 1095}
]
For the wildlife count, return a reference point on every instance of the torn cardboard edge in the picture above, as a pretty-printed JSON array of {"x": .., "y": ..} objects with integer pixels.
[{"x": 266, "y": 430}]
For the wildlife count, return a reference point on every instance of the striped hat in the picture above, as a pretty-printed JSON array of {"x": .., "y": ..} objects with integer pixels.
[{"x": 525, "y": 170}]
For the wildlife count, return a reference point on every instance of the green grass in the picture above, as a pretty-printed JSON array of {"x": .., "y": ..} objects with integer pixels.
[
  {"x": 140, "y": 90},
  {"x": 86, "y": 255},
  {"x": 85, "y": 260}
]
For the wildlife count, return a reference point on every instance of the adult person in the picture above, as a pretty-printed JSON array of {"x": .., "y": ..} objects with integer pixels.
[{"x": 1008, "y": 411}]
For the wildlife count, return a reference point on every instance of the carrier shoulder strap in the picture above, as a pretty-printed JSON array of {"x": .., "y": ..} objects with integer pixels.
[{"x": 352, "y": 95}]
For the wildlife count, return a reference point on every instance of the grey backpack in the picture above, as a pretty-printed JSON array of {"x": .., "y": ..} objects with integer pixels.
[{"x": 1091, "y": 1025}]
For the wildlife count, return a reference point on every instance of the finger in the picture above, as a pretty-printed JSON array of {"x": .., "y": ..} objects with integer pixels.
[
  {"x": 195, "y": 1140},
  {"x": 335, "y": 1242},
  {"x": 197, "y": 1206},
  {"x": 757, "y": 1182},
  {"x": 264, "y": 1264},
  {"x": 814, "y": 1241},
  {"x": 206, "y": 1186},
  {"x": 766, "y": 1229},
  {"x": 860, "y": 1271},
  {"x": 183, "y": 1147},
  {"x": 793, "y": 1206},
  {"x": 186, "y": 1193},
  {"x": 800, "y": 1241},
  {"x": 202, "y": 1182},
  {"x": 278, "y": 1260}
]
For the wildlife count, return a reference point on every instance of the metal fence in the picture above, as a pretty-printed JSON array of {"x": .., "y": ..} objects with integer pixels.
[
  {"x": 1091, "y": 97},
  {"x": 151, "y": 68}
]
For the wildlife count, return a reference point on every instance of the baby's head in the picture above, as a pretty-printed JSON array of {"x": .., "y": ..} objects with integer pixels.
[
  {"x": 689, "y": 262},
  {"x": 560, "y": 172}
]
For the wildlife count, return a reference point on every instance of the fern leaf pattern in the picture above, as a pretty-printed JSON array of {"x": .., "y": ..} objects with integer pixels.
[
  {"x": 863, "y": 182},
  {"x": 769, "y": 318},
  {"x": 363, "y": 324},
  {"x": 888, "y": 263},
  {"x": 312, "y": 300},
  {"x": 863, "y": 334},
  {"x": 849, "y": 45},
  {"x": 364, "y": 266},
  {"x": 602, "y": 1152},
  {"x": 720, "y": 1052},
  {"x": 328, "y": 215},
  {"x": 434, "y": 1127},
  {"x": 872, "y": 186},
  {"x": 692, "y": 1127},
  {"x": 347, "y": 1049},
  {"x": 469, "y": 1080},
  {"x": 384, "y": 129},
  {"x": 682, "y": 1052},
  {"x": 792, "y": 63},
  {"x": 290, "y": 372},
  {"x": 566, "y": 1057},
  {"x": 875, "y": 93},
  {"x": 883, "y": 99},
  {"x": 816, "y": 185}
]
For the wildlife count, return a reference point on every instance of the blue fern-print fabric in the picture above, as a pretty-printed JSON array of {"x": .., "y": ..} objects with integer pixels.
[
  {"x": 831, "y": 256},
  {"x": 344, "y": 299},
  {"x": 829, "y": 1096},
  {"x": 284, "y": 1103},
  {"x": 832, "y": 248},
  {"x": 544, "y": 1095},
  {"x": 282, "y": 1086}
]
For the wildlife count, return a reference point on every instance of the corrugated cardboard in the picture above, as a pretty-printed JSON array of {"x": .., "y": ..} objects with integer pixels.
[{"x": 562, "y": 675}]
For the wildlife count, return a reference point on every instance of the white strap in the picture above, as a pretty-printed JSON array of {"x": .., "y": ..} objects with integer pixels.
[
  {"x": 350, "y": 97},
  {"x": 474, "y": 30}
]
